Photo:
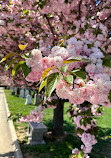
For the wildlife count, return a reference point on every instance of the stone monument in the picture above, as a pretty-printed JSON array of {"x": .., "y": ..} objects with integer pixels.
[
  {"x": 12, "y": 91},
  {"x": 36, "y": 99},
  {"x": 28, "y": 99},
  {"x": 26, "y": 92},
  {"x": 22, "y": 93},
  {"x": 35, "y": 133}
]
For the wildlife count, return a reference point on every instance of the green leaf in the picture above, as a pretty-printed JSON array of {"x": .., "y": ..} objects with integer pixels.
[
  {"x": 89, "y": 120},
  {"x": 35, "y": 4},
  {"x": 81, "y": 121},
  {"x": 7, "y": 56},
  {"x": 43, "y": 83},
  {"x": 74, "y": 27},
  {"x": 74, "y": 59},
  {"x": 90, "y": 45},
  {"x": 107, "y": 61},
  {"x": 11, "y": 63},
  {"x": 73, "y": 72},
  {"x": 26, "y": 69},
  {"x": 85, "y": 121},
  {"x": 66, "y": 1},
  {"x": 25, "y": 56},
  {"x": 64, "y": 68},
  {"x": 52, "y": 82},
  {"x": 70, "y": 61},
  {"x": 86, "y": 26},
  {"x": 81, "y": 30},
  {"x": 69, "y": 79},
  {"x": 80, "y": 155},
  {"x": 81, "y": 74},
  {"x": 46, "y": 72},
  {"x": 17, "y": 67},
  {"x": 79, "y": 58}
]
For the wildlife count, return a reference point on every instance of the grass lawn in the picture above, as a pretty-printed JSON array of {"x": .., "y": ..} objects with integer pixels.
[{"x": 59, "y": 148}]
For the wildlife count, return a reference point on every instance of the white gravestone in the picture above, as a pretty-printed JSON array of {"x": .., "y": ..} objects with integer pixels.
[
  {"x": 28, "y": 99},
  {"x": 26, "y": 92},
  {"x": 35, "y": 133},
  {"x": 21, "y": 93}
]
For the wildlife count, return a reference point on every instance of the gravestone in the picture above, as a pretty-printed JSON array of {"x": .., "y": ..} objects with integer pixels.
[
  {"x": 28, "y": 99},
  {"x": 26, "y": 92},
  {"x": 35, "y": 133},
  {"x": 15, "y": 89},
  {"x": 36, "y": 99},
  {"x": 22, "y": 93},
  {"x": 12, "y": 91}
]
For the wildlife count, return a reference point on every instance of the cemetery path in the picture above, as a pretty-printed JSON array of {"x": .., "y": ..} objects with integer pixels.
[{"x": 6, "y": 141}]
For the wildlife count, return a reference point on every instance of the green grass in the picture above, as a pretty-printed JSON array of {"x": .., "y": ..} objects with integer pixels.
[
  {"x": 57, "y": 149},
  {"x": 17, "y": 105},
  {"x": 62, "y": 148}
]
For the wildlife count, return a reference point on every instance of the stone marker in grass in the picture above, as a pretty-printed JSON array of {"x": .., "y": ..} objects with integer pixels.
[
  {"x": 36, "y": 99},
  {"x": 35, "y": 133},
  {"x": 22, "y": 93},
  {"x": 28, "y": 99},
  {"x": 26, "y": 92},
  {"x": 12, "y": 91}
]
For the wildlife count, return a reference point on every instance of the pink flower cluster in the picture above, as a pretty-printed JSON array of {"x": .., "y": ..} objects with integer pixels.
[
  {"x": 5, "y": 79},
  {"x": 88, "y": 141},
  {"x": 51, "y": 101},
  {"x": 39, "y": 64},
  {"x": 95, "y": 109},
  {"x": 77, "y": 122},
  {"x": 95, "y": 92},
  {"x": 35, "y": 116},
  {"x": 76, "y": 152}
]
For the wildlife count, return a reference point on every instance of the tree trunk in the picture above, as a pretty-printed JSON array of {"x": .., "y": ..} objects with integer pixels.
[{"x": 57, "y": 127}]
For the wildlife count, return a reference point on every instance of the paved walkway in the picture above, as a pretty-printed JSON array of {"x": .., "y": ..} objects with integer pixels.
[{"x": 6, "y": 143}]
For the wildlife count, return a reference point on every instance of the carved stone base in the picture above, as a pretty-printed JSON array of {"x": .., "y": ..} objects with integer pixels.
[{"x": 35, "y": 133}]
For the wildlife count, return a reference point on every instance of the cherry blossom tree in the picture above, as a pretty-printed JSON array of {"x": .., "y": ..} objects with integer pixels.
[
  {"x": 79, "y": 76},
  {"x": 67, "y": 46}
]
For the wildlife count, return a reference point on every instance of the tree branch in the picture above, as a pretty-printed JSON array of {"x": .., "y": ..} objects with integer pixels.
[
  {"x": 79, "y": 16},
  {"x": 107, "y": 19},
  {"x": 49, "y": 24}
]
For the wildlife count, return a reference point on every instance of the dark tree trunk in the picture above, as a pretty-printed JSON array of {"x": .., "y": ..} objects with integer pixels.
[{"x": 57, "y": 128}]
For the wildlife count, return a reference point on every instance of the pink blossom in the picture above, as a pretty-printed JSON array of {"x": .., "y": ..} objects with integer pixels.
[
  {"x": 75, "y": 151},
  {"x": 35, "y": 116},
  {"x": 88, "y": 141}
]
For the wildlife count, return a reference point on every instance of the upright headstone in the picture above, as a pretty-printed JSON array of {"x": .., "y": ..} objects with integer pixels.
[
  {"x": 26, "y": 92},
  {"x": 22, "y": 93},
  {"x": 28, "y": 99},
  {"x": 35, "y": 133},
  {"x": 13, "y": 91},
  {"x": 36, "y": 99}
]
